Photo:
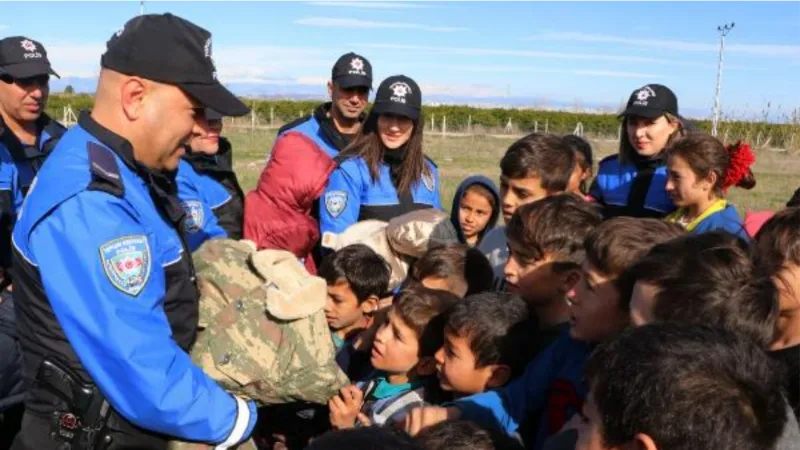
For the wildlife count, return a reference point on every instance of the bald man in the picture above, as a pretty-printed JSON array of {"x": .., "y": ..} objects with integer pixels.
[{"x": 104, "y": 287}]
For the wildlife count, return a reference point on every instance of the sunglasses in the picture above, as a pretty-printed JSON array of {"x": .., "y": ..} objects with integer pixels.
[{"x": 27, "y": 82}]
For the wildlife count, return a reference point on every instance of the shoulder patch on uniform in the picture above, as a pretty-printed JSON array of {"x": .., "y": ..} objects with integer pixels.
[
  {"x": 105, "y": 171},
  {"x": 126, "y": 262},
  {"x": 428, "y": 181},
  {"x": 335, "y": 202},
  {"x": 194, "y": 216}
]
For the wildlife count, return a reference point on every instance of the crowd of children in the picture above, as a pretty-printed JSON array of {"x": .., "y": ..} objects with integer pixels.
[{"x": 639, "y": 313}]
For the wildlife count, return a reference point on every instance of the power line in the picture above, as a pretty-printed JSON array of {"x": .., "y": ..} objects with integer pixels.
[{"x": 723, "y": 31}]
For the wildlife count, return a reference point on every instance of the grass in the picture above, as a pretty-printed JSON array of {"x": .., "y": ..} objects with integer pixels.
[{"x": 460, "y": 157}]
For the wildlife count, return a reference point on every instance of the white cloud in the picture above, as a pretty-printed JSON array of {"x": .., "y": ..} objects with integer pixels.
[
  {"x": 372, "y": 5},
  {"x": 670, "y": 44},
  {"x": 3, "y": 27},
  {"x": 460, "y": 90},
  {"x": 472, "y": 51},
  {"x": 331, "y": 22}
]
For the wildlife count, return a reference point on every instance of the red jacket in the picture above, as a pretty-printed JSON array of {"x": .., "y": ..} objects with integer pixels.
[{"x": 277, "y": 214}]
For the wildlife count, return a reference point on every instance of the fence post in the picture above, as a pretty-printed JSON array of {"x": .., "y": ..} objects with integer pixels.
[
  {"x": 253, "y": 117},
  {"x": 535, "y": 126},
  {"x": 433, "y": 124},
  {"x": 469, "y": 124},
  {"x": 272, "y": 116},
  {"x": 546, "y": 125},
  {"x": 444, "y": 125}
]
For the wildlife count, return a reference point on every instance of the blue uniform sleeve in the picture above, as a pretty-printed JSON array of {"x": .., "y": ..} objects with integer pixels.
[
  {"x": 102, "y": 275},
  {"x": 506, "y": 408},
  {"x": 341, "y": 201},
  {"x": 437, "y": 194}
]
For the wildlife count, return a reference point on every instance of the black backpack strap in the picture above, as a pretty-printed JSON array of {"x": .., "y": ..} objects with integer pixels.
[{"x": 105, "y": 171}]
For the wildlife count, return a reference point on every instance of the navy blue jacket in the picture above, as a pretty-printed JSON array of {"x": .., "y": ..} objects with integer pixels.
[
  {"x": 462, "y": 188},
  {"x": 636, "y": 189},
  {"x": 104, "y": 282},
  {"x": 319, "y": 127},
  {"x": 199, "y": 196},
  {"x": 219, "y": 187}
]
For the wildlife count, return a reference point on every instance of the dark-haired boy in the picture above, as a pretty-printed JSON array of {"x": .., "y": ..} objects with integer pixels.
[
  {"x": 357, "y": 278},
  {"x": 545, "y": 241},
  {"x": 484, "y": 343},
  {"x": 534, "y": 167},
  {"x": 681, "y": 387},
  {"x": 552, "y": 388}
]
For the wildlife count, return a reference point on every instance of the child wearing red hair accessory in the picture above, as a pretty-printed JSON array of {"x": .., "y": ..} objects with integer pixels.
[{"x": 700, "y": 172}]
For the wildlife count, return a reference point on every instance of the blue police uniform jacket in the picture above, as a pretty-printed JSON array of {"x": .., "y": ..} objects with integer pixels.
[
  {"x": 18, "y": 166},
  {"x": 199, "y": 196},
  {"x": 318, "y": 128},
  {"x": 636, "y": 189},
  {"x": 104, "y": 283},
  {"x": 220, "y": 187},
  {"x": 352, "y": 196}
]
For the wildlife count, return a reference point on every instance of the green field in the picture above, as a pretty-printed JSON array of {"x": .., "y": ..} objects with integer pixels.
[{"x": 777, "y": 173}]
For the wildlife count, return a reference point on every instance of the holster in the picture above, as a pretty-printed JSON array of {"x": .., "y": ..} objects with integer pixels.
[{"x": 82, "y": 422}]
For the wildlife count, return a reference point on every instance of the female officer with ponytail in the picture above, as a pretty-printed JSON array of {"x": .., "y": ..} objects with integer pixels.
[{"x": 383, "y": 173}]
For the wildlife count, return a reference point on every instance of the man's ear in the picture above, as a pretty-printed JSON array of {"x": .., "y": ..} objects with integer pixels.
[
  {"x": 643, "y": 442},
  {"x": 569, "y": 278},
  {"x": 133, "y": 92},
  {"x": 501, "y": 374},
  {"x": 370, "y": 305},
  {"x": 330, "y": 89},
  {"x": 426, "y": 366}
]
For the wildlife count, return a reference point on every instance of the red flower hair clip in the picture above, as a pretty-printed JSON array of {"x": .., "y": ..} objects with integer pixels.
[{"x": 742, "y": 158}]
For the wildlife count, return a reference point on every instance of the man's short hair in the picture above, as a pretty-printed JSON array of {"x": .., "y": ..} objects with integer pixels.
[
  {"x": 365, "y": 271},
  {"x": 617, "y": 244},
  {"x": 544, "y": 156},
  {"x": 709, "y": 279},
  {"x": 555, "y": 226},
  {"x": 497, "y": 327},
  {"x": 686, "y": 387}
]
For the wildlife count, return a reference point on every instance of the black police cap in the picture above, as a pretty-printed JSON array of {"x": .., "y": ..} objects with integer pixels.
[
  {"x": 398, "y": 95},
  {"x": 171, "y": 50},
  {"x": 22, "y": 57},
  {"x": 651, "y": 101},
  {"x": 352, "y": 70}
]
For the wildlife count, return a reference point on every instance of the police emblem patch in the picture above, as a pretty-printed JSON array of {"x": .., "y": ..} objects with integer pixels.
[
  {"x": 126, "y": 262},
  {"x": 194, "y": 216},
  {"x": 427, "y": 180},
  {"x": 335, "y": 202}
]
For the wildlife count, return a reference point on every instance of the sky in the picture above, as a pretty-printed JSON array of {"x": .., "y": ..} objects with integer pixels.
[{"x": 548, "y": 53}]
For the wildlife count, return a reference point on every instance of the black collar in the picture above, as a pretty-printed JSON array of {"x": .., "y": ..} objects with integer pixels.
[
  {"x": 115, "y": 142},
  {"x": 18, "y": 150}
]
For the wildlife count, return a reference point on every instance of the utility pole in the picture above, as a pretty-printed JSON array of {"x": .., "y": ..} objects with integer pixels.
[
  {"x": 141, "y": 8},
  {"x": 723, "y": 31}
]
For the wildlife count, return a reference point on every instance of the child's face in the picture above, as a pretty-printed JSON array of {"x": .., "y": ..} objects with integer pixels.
[
  {"x": 535, "y": 281},
  {"x": 457, "y": 368},
  {"x": 683, "y": 186},
  {"x": 342, "y": 310},
  {"x": 590, "y": 429},
  {"x": 474, "y": 213},
  {"x": 643, "y": 302},
  {"x": 649, "y": 136},
  {"x": 515, "y": 192},
  {"x": 788, "y": 285},
  {"x": 595, "y": 311},
  {"x": 396, "y": 346}
]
